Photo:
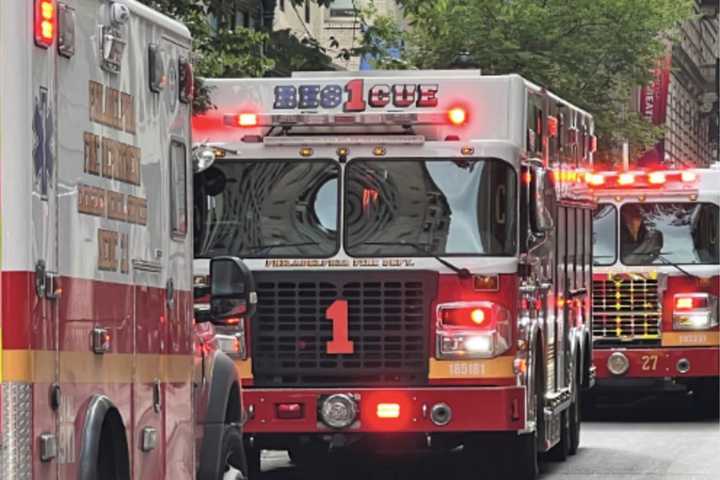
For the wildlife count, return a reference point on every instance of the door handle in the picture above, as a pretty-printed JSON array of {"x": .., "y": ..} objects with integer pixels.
[{"x": 157, "y": 399}]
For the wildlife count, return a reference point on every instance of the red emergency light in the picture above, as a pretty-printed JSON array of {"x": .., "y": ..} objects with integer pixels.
[
  {"x": 457, "y": 116},
  {"x": 626, "y": 179},
  {"x": 45, "y": 23},
  {"x": 388, "y": 410},
  {"x": 247, "y": 120},
  {"x": 640, "y": 180},
  {"x": 656, "y": 178}
]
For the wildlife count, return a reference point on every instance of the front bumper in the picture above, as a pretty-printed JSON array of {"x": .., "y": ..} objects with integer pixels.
[
  {"x": 474, "y": 409},
  {"x": 661, "y": 363}
]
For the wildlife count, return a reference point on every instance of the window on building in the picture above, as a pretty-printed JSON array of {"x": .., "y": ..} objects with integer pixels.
[
  {"x": 307, "y": 12},
  {"x": 282, "y": 5},
  {"x": 342, "y": 8}
]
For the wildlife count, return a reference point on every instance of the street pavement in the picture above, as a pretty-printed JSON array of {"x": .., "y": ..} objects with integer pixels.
[{"x": 658, "y": 439}]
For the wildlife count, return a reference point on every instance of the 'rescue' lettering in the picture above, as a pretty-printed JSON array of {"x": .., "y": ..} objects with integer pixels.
[{"x": 352, "y": 96}]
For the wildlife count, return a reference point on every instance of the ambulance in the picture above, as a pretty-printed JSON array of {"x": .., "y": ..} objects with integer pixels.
[
  {"x": 657, "y": 281},
  {"x": 103, "y": 373},
  {"x": 420, "y": 247}
]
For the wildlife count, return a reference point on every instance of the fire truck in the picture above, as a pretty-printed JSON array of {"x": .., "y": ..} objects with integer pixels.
[
  {"x": 103, "y": 373},
  {"x": 420, "y": 247},
  {"x": 656, "y": 281}
]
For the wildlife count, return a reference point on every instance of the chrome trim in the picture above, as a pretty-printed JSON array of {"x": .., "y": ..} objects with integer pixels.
[{"x": 16, "y": 452}]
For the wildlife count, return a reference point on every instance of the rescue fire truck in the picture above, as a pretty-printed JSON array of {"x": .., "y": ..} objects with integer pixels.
[
  {"x": 657, "y": 280},
  {"x": 103, "y": 375},
  {"x": 420, "y": 247}
]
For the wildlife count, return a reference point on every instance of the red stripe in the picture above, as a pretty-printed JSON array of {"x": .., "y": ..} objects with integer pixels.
[{"x": 83, "y": 305}]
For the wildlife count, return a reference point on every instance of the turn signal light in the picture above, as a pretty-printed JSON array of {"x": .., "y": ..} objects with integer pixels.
[
  {"x": 388, "y": 410},
  {"x": 690, "y": 303},
  {"x": 457, "y": 116},
  {"x": 45, "y": 22},
  {"x": 464, "y": 317}
]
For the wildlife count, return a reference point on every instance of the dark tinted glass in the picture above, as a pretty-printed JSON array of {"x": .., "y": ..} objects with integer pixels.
[
  {"x": 267, "y": 209},
  {"x": 659, "y": 233},
  {"x": 418, "y": 207}
]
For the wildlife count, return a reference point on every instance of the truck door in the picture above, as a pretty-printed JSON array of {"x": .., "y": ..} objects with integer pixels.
[{"x": 150, "y": 328}]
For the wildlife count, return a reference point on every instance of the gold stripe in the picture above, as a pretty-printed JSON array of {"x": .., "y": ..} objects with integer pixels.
[
  {"x": 690, "y": 339},
  {"x": 244, "y": 369},
  {"x": 500, "y": 367},
  {"x": 38, "y": 366}
]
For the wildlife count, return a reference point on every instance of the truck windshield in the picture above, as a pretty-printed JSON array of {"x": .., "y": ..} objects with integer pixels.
[
  {"x": 404, "y": 207},
  {"x": 262, "y": 209},
  {"x": 663, "y": 233},
  {"x": 604, "y": 235}
]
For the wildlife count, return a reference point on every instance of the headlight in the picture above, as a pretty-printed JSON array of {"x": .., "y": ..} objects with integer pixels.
[
  {"x": 472, "y": 330},
  {"x": 695, "y": 311}
]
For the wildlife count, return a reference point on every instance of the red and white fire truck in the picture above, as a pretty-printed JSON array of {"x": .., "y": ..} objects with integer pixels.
[
  {"x": 420, "y": 244},
  {"x": 98, "y": 363},
  {"x": 657, "y": 280}
]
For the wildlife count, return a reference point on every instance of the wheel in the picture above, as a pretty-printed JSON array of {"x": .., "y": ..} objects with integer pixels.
[
  {"x": 234, "y": 466},
  {"x": 575, "y": 413}
]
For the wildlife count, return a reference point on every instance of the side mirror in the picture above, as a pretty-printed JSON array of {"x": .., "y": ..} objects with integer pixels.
[
  {"x": 540, "y": 218},
  {"x": 232, "y": 290}
]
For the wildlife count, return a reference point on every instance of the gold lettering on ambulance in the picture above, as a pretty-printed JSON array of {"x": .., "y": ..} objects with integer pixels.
[
  {"x": 124, "y": 253},
  {"x": 96, "y": 102},
  {"x": 128, "y": 112},
  {"x": 92, "y": 144},
  {"x": 398, "y": 262},
  {"x": 366, "y": 262},
  {"x": 107, "y": 250},
  {"x": 91, "y": 200},
  {"x": 116, "y": 206},
  {"x": 112, "y": 108},
  {"x": 120, "y": 161},
  {"x": 137, "y": 210}
]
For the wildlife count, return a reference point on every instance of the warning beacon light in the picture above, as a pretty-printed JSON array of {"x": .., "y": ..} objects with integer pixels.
[
  {"x": 247, "y": 120},
  {"x": 45, "y": 22},
  {"x": 457, "y": 116}
]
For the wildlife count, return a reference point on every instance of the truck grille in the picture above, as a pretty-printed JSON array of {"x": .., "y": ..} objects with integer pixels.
[
  {"x": 388, "y": 316},
  {"x": 626, "y": 312}
]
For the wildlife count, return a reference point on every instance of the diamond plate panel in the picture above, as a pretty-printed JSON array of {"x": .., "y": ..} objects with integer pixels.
[{"x": 16, "y": 449}]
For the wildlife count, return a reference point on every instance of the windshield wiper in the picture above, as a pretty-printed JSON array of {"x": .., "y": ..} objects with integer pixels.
[
  {"x": 672, "y": 264},
  {"x": 463, "y": 272},
  {"x": 263, "y": 248}
]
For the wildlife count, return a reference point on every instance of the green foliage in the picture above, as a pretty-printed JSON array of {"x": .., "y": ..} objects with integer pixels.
[
  {"x": 592, "y": 52},
  {"x": 228, "y": 50}
]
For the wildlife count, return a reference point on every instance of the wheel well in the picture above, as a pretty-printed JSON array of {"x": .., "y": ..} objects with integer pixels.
[
  {"x": 113, "y": 449},
  {"x": 233, "y": 414}
]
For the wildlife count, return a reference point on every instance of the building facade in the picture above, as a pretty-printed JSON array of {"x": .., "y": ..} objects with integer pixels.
[{"x": 683, "y": 97}]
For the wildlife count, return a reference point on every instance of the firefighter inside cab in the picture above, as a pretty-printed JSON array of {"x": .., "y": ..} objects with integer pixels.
[{"x": 656, "y": 283}]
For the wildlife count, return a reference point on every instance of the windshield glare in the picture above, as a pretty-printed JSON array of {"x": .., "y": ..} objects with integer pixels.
[
  {"x": 604, "y": 235},
  {"x": 419, "y": 207},
  {"x": 260, "y": 209},
  {"x": 661, "y": 233}
]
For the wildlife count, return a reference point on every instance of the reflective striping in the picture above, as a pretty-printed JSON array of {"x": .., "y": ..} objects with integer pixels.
[
  {"x": 691, "y": 339},
  {"x": 16, "y": 449},
  {"x": 500, "y": 367},
  {"x": 89, "y": 368}
]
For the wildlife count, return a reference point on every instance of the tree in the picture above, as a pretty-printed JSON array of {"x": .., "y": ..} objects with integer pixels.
[
  {"x": 591, "y": 52},
  {"x": 222, "y": 48}
]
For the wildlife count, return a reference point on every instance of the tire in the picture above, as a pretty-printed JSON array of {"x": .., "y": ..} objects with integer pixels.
[
  {"x": 232, "y": 455},
  {"x": 575, "y": 414}
]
